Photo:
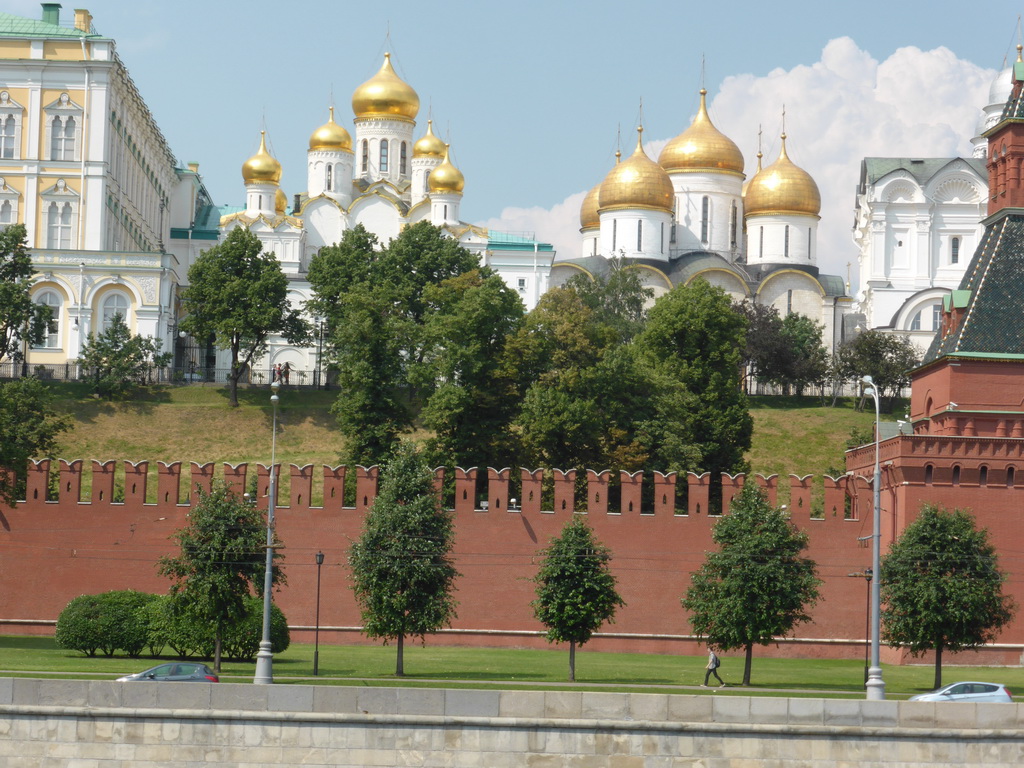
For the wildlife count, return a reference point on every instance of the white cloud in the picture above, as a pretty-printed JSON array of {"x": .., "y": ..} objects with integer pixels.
[{"x": 840, "y": 109}]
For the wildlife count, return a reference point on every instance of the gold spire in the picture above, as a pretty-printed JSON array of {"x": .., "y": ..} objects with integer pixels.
[
  {"x": 782, "y": 187},
  {"x": 701, "y": 147},
  {"x": 386, "y": 95},
  {"x": 637, "y": 182},
  {"x": 330, "y": 136},
  {"x": 261, "y": 168}
]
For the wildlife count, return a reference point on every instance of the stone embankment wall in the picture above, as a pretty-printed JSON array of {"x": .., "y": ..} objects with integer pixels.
[{"x": 79, "y": 723}]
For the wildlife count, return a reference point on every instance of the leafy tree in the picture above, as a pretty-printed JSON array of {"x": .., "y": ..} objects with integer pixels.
[
  {"x": 222, "y": 562},
  {"x": 336, "y": 269},
  {"x": 575, "y": 588},
  {"x": 757, "y": 586},
  {"x": 119, "y": 359},
  {"x": 238, "y": 295},
  {"x": 79, "y": 625},
  {"x": 20, "y": 319},
  {"x": 403, "y": 575},
  {"x": 764, "y": 349},
  {"x": 29, "y": 426},
  {"x": 887, "y": 358},
  {"x": 942, "y": 589},
  {"x": 694, "y": 337},
  {"x": 619, "y": 299}
]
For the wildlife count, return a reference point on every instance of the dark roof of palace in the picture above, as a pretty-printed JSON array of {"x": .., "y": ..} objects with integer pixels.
[{"x": 993, "y": 291}]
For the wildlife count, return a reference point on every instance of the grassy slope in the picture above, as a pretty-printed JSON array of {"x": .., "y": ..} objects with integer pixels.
[{"x": 791, "y": 435}]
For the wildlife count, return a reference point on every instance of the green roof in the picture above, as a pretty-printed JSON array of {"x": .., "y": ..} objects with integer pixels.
[
  {"x": 921, "y": 168},
  {"x": 990, "y": 296},
  {"x": 19, "y": 26},
  {"x": 506, "y": 241}
]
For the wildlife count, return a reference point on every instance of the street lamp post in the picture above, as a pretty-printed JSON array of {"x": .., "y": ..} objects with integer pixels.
[
  {"x": 875, "y": 685},
  {"x": 265, "y": 657},
  {"x": 316, "y": 632},
  {"x": 866, "y": 575}
]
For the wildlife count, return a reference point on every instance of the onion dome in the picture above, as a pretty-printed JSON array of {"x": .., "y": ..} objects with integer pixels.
[
  {"x": 261, "y": 168},
  {"x": 637, "y": 182},
  {"x": 386, "y": 95},
  {"x": 429, "y": 145},
  {"x": 743, "y": 191},
  {"x": 446, "y": 178},
  {"x": 701, "y": 147},
  {"x": 782, "y": 187},
  {"x": 331, "y": 136},
  {"x": 588, "y": 211},
  {"x": 280, "y": 201}
]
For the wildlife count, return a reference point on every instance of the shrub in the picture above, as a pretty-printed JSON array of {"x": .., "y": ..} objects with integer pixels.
[
  {"x": 79, "y": 625},
  {"x": 108, "y": 622}
]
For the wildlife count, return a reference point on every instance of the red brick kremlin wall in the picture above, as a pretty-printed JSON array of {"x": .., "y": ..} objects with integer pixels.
[{"x": 54, "y": 550}]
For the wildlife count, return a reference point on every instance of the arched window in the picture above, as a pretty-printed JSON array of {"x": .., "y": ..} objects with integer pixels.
[
  {"x": 615, "y": 232},
  {"x": 62, "y": 138},
  {"x": 705, "y": 213},
  {"x": 733, "y": 226},
  {"x": 983, "y": 475},
  {"x": 384, "y": 156},
  {"x": 8, "y": 131},
  {"x": 954, "y": 250},
  {"x": 58, "y": 225},
  {"x": 1010, "y": 477},
  {"x": 789, "y": 301},
  {"x": 785, "y": 247},
  {"x": 929, "y": 471},
  {"x": 662, "y": 237},
  {"x": 956, "y": 475},
  {"x": 51, "y": 334},
  {"x": 640, "y": 235},
  {"x": 366, "y": 156},
  {"x": 760, "y": 242},
  {"x": 6, "y": 213},
  {"x": 915, "y": 324},
  {"x": 327, "y": 183},
  {"x": 114, "y": 304},
  {"x": 403, "y": 160}
]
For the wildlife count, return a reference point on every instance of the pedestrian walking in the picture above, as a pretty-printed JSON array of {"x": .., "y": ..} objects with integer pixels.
[
  {"x": 277, "y": 374},
  {"x": 712, "y": 669},
  {"x": 286, "y": 371}
]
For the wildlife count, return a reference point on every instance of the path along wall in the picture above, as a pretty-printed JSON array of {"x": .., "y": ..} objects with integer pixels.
[
  {"x": 75, "y": 723},
  {"x": 53, "y": 549}
]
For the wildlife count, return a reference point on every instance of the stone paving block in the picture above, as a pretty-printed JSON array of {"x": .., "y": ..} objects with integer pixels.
[
  {"x": 420, "y": 701},
  {"x": 562, "y": 704},
  {"x": 841, "y": 712},
  {"x": 7, "y": 690},
  {"x": 768, "y": 709},
  {"x": 806, "y": 712},
  {"x": 605, "y": 705},
  {"x": 521, "y": 704},
  {"x": 344, "y": 700},
  {"x": 235, "y": 696},
  {"x": 690, "y": 709},
  {"x": 649, "y": 706},
  {"x": 731, "y": 709},
  {"x": 290, "y": 698},
  {"x": 879, "y": 713},
  {"x": 103, "y": 693},
  {"x": 997, "y": 715},
  {"x": 378, "y": 701},
  {"x": 464, "y": 703}
]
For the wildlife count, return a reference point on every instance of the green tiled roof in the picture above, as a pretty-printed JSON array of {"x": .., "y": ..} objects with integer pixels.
[
  {"x": 506, "y": 241},
  {"x": 19, "y": 26},
  {"x": 991, "y": 295},
  {"x": 921, "y": 168}
]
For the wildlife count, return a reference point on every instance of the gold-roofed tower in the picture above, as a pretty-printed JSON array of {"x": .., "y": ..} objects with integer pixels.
[
  {"x": 446, "y": 178},
  {"x": 386, "y": 95},
  {"x": 261, "y": 168},
  {"x": 782, "y": 187},
  {"x": 429, "y": 145},
  {"x": 636, "y": 182},
  {"x": 701, "y": 147},
  {"x": 331, "y": 137}
]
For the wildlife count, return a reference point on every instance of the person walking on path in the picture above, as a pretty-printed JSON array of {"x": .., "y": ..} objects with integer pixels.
[
  {"x": 286, "y": 371},
  {"x": 277, "y": 373},
  {"x": 712, "y": 669}
]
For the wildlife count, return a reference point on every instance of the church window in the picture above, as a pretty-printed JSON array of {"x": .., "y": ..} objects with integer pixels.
[
  {"x": 789, "y": 301},
  {"x": 7, "y": 133},
  {"x": 384, "y": 157},
  {"x": 403, "y": 159},
  {"x": 327, "y": 184},
  {"x": 51, "y": 334},
  {"x": 983, "y": 475},
  {"x": 62, "y": 139},
  {"x": 366, "y": 156},
  {"x": 785, "y": 246},
  {"x": 733, "y": 226},
  {"x": 639, "y": 235},
  {"x": 936, "y": 316},
  {"x": 446, "y": 211},
  {"x": 808, "y": 242},
  {"x": 662, "y": 237},
  {"x": 6, "y": 213},
  {"x": 929, "y": 472},
  {"x": 956, "y": 475},
  {"x": 10, "y": 127},
  {"x": 58, "y": 225},
  {"x": 114, "y": 304},
  {"x": 615, "y": 233},
  {"x": 915, "y": 324},
  {"x": 521, "y": 284},
  {"x": 1010, "y": 473},
  {"x": 705, "y": 210},
  {"x": 760, "y": 242},
  {"x": 954, "y": 250}
]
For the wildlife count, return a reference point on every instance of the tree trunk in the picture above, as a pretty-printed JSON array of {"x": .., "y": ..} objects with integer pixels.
[
  {"x": 749, "y": 657},
  {"x": 233, "y": 377},
  {"x": 572, "y": 661},
  {"x": 938, "y": 666},
  {"x": 400, "y": 662},
  {"x": 216, "y": 652}
]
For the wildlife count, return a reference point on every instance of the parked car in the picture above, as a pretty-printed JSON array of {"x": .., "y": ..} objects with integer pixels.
[
  {"x": 175, "y": 672},
  {"x": 967, "y": 692}
]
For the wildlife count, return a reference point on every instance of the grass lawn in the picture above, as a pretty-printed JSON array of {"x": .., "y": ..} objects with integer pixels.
[{"x": 503, "y": 668}]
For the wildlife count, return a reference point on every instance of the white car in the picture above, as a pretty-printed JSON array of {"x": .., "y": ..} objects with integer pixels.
[{"x": 967, "y": 692}]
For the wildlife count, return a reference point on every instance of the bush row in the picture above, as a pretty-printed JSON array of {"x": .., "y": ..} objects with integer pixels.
[{"x": 133, "y": 622}]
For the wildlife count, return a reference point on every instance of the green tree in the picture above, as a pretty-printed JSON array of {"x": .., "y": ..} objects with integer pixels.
[
  {"x": 402, "y": 571},
  {"x": 30, "y": 427},
  {"x": 807, "y": 359},
  {"x": 942, "y": 589},
  {"x": 20, "y": 319},
  {"x": 221, "y": 563},
  {"x": 575, "y": 588},
  {"x": 695, "y": 337},
  {"x": 239, "y": 296},
  {"x": 764, "y": 350},
  {"x": 619, "y": 299},
  {"x": 756, "y": 586},
  {"x": 887, "y": 358},
  {"x": 118, "y": 359}
]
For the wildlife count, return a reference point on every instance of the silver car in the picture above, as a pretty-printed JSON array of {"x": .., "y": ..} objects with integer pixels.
[
  {"x": 967, "y": 692},
  {"x": 175, "y": 672}
]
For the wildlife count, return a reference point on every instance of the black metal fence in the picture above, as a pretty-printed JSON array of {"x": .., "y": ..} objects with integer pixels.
[{"x": 173, "y": 375}]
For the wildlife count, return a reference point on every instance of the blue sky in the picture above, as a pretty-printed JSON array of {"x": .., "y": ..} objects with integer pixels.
[{"x": 533, "y": 94}]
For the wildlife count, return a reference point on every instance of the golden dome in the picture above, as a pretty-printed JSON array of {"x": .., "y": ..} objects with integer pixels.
[
  {"x": 446, "y": 177},
  {"x": 386, "y": 95},
  {"x": 637, "y": 182},
  {"x": 331, "y": 136},
  {"x": 782, "y": 187},
  {"x": 261, "y": 168},
  {"x": 702, "y": 147},
  {"x": 588, "y": 211},
  {"x": 280, "y": 201},
  {"x": 743, "y": 191},
  {"x": 429, "y": 145}
]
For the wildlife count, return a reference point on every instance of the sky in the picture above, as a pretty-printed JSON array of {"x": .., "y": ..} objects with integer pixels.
[{"x": 535, "y": 96}]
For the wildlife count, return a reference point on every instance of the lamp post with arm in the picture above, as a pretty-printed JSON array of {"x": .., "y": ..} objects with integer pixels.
[
  {"x": 265, "y": 657},
  {"x": 316, "y": 632},
  {"x": 875, "y": 685}
]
